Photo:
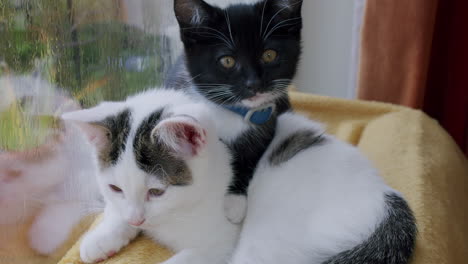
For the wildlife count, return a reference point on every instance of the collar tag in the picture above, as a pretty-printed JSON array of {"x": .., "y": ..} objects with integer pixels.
[{"x": 256, "y": 116}]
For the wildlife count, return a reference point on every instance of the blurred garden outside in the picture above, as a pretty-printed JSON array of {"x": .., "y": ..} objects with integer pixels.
[{"x": 84, "y": 47}]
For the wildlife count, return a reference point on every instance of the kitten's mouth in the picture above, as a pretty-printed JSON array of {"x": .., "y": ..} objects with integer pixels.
[{"x": 258, "y": 99}]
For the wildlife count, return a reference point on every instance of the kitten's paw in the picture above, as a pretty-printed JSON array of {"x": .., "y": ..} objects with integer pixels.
[
  {"x": 98, "y": 245},
  {"x": 235, "y": 207}
]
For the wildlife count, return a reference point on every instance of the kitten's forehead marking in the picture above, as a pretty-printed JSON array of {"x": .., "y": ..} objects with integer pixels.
[
  {"x": 155, "y": 158},
  {"x": 119, "y": 126}
]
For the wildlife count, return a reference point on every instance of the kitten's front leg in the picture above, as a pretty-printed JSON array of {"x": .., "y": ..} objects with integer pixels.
[
  {"x": 106, "y": 239},
  {"x": 235, "y": 207}
]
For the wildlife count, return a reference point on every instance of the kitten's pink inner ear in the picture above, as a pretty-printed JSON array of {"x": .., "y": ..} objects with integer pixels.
[
  {"x": 98, "y": 135},
  {"x": 184, "y": 136}
]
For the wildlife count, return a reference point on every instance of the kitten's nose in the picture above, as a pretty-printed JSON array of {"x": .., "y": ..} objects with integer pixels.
[
  {"x": 137, "y": 222},
  {"x": 253, "y": 84}
]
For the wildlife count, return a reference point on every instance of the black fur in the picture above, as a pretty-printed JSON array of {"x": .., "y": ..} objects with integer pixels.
[
  {"x": 155, "y": 158},
  {"x": 118, "y": 127},
  {"x": 391, "y": 243},
  {"x": 239, "y": 31},
  {"x": 248, "y": 149},
  {"x": 293, "y": 144}
]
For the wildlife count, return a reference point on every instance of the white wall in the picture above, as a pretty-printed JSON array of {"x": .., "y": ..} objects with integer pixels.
[
  {"x": 330, "y": 39},
  {"x": 328, "y": 63}
]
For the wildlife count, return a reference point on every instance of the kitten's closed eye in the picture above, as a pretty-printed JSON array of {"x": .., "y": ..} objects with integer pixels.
[
  {"x": 115, "y": 188},
  {"x": 154, "y": 192}
]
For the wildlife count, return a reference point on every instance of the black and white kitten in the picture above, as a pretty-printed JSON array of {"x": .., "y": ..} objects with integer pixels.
[
  {"x": 240, "y": 60},
  {"x": 164, "y": 172}
]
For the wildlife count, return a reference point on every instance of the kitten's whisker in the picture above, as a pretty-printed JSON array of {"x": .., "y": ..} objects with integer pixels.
[
  {"x": 228, "y": 21},
  {"x": 226, "y": 42},
  {"x": 219, "y": 34},
  {"x": 218, "y": 96},
  {"x": 276, "y": 80},
  {"x": 263, "y": 15},
  {"x": 215, "y": 84},
  {"x": 193, "y": 78},
  {"x": 277, "y": 13},
  {"x": 280, "y": 25},
  {"x": 218, "y": 93}
]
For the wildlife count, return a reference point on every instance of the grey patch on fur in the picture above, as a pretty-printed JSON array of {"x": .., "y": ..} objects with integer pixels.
[
  {"x": 391, "y": 243},
  {"x": 155, "y": 158},
  {"x": 294, "y": 144},
  {"x": 119, "y": 127}
]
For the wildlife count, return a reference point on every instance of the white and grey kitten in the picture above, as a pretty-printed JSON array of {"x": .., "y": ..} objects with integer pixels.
[
  {"x": 315, "y": 199},
  {"x": 164, "y": 172},
  {"x": 56, "y": 181}
]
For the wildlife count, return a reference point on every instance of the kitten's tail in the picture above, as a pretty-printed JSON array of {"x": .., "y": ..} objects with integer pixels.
[{"x": 391, "y": 243}]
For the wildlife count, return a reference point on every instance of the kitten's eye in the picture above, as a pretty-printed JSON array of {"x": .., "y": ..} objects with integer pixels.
[
  {"x": 227, "y": 62},
  {"x": 155, "y": 192},
  {"x": 115, "y": 188},
  {"x": 269, "y": 56}
]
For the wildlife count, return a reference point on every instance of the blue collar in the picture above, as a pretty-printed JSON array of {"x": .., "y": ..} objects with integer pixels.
[{"x": 256, "y": 116}]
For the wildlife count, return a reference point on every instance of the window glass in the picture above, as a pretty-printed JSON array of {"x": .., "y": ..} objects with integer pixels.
[{"x": 86, "y": 50}]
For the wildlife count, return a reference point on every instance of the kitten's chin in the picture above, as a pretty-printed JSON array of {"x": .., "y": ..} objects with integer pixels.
[{"x": 258, "y": 100}]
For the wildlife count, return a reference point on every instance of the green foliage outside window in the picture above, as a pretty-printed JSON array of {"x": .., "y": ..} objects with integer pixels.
[{"x": 93, "y": 60}]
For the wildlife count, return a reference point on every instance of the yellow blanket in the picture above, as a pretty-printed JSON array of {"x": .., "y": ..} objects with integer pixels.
[{"x": 415, "y": 156}]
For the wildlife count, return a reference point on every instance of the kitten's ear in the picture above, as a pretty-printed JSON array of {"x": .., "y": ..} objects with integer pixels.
[
  {"x": 287, "y": 8},
  {"x": 183, "y": 134},
  {"x": 97, "y": 134},
  {"x": 90, "y": 122},
  {"x": 191, "y": 13},
  {"x": 95, "y": 114}
]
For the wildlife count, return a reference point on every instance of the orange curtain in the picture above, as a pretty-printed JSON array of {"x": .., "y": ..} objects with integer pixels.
[
  {"x": 414, "y": 53},
  {"x": 395, "y": 49}
]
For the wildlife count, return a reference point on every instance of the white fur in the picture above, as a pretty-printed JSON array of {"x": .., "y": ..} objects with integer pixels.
[
  {"x": 235, "y": 207},
  {"x": 326, "y": 199},
  {"x": 226, "y": 3},
  {"x": 229, "y": 125},
  {"x": 60, "y": 187},
  {"x": 260, "y": 99},
  {"x": 188, "y": 219}
]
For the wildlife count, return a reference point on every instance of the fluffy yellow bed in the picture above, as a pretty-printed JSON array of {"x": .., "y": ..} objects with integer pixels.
[{"x": 414, "y": 154}]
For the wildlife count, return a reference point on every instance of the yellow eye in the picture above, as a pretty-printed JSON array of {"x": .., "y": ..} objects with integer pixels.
[
  {"x": 269, "y": 56},
  {"x": 227, "y": 62},
  {"x": 155, "y": 192}
]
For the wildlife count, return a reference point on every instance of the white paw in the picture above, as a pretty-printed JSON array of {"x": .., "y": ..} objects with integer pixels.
[
  {"x": 100, "y": 244},
  {"x": 235, "y": 207}
]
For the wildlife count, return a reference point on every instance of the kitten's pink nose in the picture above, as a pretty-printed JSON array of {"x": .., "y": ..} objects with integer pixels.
[{"x": 137, "y": 222}]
